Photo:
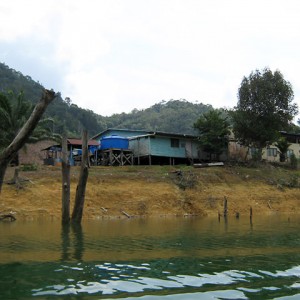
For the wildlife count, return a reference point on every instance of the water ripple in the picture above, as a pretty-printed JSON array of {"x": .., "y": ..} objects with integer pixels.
[
  {"x": 167, "y": 259},
  {"x": 118, "y": 279}
]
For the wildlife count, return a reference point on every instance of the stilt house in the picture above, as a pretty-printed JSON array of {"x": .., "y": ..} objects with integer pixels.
[{"x": 147, "y": 147}]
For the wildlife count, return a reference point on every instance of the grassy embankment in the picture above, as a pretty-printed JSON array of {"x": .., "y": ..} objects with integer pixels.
[{"x": 157, "y": 191}]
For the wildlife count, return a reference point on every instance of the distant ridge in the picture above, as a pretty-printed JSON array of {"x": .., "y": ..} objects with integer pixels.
[{"x": 177, "y": 116}]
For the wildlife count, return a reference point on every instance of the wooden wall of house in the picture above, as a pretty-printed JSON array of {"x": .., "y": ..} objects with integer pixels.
[
  {"x": 163, "y": 146},
  {"x": 192, "y": 149},
  {"x": 140, "y": 146},
  {"x": 240, "y": 153},
  {"x": 32, "y": 154},
  {"x": 295, "y": 147},
  {"x": 237, "y": 152},
  {"x": 274, "y": 155}
]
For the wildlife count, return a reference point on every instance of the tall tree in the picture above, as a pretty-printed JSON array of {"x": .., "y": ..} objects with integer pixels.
[
  {"x": 264, "y": 108},
  {"x": 213, "y": 130},
  {"x": 22, "y": 136}
]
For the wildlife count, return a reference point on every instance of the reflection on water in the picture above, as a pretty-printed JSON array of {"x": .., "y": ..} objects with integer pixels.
[
  {"x": 190, "y": 258},
  {"x": 72, "y": 240}
]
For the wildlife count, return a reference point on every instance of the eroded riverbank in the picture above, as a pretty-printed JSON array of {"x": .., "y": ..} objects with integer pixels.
[{"x": 156, "y": 191}]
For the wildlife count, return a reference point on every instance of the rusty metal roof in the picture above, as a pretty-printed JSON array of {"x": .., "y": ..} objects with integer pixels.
[{"x": 78, "y": 142}]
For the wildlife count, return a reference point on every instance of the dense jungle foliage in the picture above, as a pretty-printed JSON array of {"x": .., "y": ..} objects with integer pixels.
[{"x": 176, "y": 116}]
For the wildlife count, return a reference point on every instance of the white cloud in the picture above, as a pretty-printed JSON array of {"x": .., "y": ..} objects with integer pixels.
[
  {"x": 114, "y": 56},
  {"x": 94, "y": 89}
]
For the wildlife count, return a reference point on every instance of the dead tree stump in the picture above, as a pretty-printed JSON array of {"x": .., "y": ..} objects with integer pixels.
[{"x": 83, "y": 177}]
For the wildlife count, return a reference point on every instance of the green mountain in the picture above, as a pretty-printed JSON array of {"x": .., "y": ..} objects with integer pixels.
[
  {"x": 66, "y": 116},
  {"x": 177, "y": 116}
]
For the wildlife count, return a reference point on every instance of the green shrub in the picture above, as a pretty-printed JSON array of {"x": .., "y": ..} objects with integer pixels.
[
  {"x": 184, "y": 180},
  {"x": 294, "y": 161},
  {"x": 28, "y": 167}
]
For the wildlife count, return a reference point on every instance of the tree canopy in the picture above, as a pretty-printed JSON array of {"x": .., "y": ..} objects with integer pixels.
[
  {"x": 265, "y": 107},
  {"x": 213, "y": 130}
]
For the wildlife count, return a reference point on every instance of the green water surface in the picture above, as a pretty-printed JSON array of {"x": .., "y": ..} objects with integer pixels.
[{"x": 157, "y": 258}]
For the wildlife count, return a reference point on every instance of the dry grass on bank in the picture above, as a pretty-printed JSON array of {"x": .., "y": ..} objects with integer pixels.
[{"x": 157, "y": 191}]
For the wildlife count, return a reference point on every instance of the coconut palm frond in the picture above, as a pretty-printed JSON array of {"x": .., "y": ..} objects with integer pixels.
[
  {"x": 14, "y": 112},
  {"x": 5, "y": 112},
  {"x": 23, "y": 108}
]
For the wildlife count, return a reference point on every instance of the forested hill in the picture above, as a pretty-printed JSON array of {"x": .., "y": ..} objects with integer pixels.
[
  {"x": 176, "y": 116},
  {"x": 66, "y": 116}
]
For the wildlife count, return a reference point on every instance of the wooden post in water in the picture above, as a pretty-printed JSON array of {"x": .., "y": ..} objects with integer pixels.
[
  {"x": 83, "y": 177},
  {"x": 65, "y": 167},
  {"x": 251, "y": 213},
  {"x": 225, "y": 207}
]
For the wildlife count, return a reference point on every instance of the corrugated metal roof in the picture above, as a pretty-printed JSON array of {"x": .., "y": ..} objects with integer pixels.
[
  {"x": 78, "y": 142},
  {"x": 147, "y": 132},
  {"x": 284, "y": 133},
  {"x": 179, "y": 135},
  {"x": 120, "y": 130}
]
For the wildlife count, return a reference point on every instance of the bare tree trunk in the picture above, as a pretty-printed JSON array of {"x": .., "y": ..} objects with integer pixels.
[
  {"x": 16, "y": 179},
  {"x": 245, "y": 159},
  {"x": 24, "y": 133},
  {"x": 3, "y": 167},
  {"x": 80, "y": 190},
  {"x": 65, "y": 183}
]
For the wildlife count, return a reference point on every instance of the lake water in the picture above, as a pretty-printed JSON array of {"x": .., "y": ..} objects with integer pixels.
[{"x": 148, "y": 259}]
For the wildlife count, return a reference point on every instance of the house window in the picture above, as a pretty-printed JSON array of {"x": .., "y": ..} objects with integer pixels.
[
  {"x": 289, "y": 153},
  {"x": 272, "y": 152},
  {"x": 253, "y": 151},
  {"x": 175, "y": 143}
]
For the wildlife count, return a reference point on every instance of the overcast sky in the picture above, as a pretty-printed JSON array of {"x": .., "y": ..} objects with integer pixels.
[{"x": 112, "y": 56}]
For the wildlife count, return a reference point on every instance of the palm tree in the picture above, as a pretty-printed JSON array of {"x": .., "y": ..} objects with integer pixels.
[
  {"x": 14, "y": 112},
  {"x": 283, "y": 146},
  {"x": 9, "y": 152}
]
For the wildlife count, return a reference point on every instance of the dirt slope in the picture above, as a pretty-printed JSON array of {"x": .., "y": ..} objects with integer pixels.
[{"x": 156, "y": 191}]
